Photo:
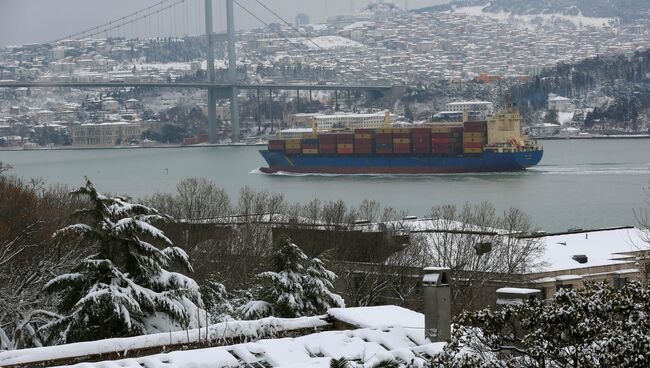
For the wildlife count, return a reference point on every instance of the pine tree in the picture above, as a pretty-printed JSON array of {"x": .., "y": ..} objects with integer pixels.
[
  {"x": 317, "y": 287},
  {"x": 123, "y": 289},
  {"x": 283, "y": 285},
  {"x": 297, "y": 285}
]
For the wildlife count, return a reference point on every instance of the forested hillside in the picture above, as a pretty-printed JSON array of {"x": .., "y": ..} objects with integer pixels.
[{"x": 616, "y": 87}]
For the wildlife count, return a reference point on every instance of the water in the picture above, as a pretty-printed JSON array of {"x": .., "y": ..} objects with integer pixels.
[{"x": 579, "y": 183}]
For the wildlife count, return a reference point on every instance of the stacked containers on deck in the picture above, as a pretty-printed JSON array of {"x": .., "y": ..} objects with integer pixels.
[
  {"x": 345, "y": 143},
  {"x": 363, "y": 141},
  {"x": 401, "y": 140},
  {"x": 310, "y": 144},
  {"x": 384, "y": 141},
  {"x": 446, "y": 140},
  {"x": 474, "y": 136},
  {"x": 327, "y": 143},
  {"x": 276, "y": 145},
  {"x": 421, "y": 138},
  {"x": 293, "y": 146}
]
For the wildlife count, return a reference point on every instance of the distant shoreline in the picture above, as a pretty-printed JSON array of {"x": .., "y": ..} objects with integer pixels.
[
  {"x": 86, "y": 148},
  {"x": 593, "y": 137}
]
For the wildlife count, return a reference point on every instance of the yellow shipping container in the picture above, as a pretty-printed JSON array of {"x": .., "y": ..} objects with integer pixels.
[
  {"x": 345, "y": 145},
  {"x": 293, "y": 140},
  {"x": 440, "y": 130},
  {"x": 472, "y": 135},
  {"x": 310, "y": 151},
  {"x": 473, "y": 140},
  {"x": 363, "y": 136},
  {"x": 294, "y": 146},
  {"x": 384, "y": 130},
  {"x": 401, "y": 140},
  {"x": 310, "y": 136},
  {"x": 473, "y": 150}
]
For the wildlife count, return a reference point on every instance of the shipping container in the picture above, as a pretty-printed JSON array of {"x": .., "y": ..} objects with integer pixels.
[
  {"x": 363, "y": 149},
  {"x": 345, "y": 138},
  {"x": 276, "y": 145},
  {"x": 309, "y": 151},
  {"x": 384, "y": 131},
  {"x": 402, "y": 148},
  {"x": 310, "y": 136},
  {"x": 363, "y": 136},
  {"x": 401, "y": 141},
  {"x": 472, "y": 145},
  {"x": 473, "y": 150},
  {"x": 364, "y": 131},
  {"x": 474, "y": 126},
  {"x": 401, "y": 135},
  {"x": 293, "y": 150},
  {"x": 384, "y": 151},
  {"x": 401, "y": 130}
]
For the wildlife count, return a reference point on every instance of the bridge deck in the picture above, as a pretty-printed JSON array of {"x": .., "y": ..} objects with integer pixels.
[{"x": 201, "y": 85}]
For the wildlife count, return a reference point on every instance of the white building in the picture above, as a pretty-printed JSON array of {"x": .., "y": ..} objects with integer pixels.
[
  {"x": 483, "y": 108},
  {"x": 559, "y": 103},
  {"x": 105, "y": 134},
  {"x": 351, "y": 121}
]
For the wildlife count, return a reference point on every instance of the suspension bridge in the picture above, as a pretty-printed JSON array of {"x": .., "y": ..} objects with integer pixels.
[{"x": 215, "y": 89}]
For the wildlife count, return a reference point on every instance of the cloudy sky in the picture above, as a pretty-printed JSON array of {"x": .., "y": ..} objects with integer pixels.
[{"x": 27, "y": 21}]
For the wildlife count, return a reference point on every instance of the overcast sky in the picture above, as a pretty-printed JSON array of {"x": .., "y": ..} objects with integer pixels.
[{"x": 28, "y": 21}]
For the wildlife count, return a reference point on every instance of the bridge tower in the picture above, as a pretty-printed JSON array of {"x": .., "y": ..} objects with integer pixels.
[
  {"x": 232, "y": 73},
  {"x": 212, "y": 92}
]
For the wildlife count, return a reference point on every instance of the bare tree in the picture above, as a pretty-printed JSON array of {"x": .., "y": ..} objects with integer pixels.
[
  {"x": 29, "y": 214},
  {"x": 478, "y": 245}
]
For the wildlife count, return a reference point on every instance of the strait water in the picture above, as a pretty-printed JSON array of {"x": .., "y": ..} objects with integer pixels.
[{"x": 579, "y": 183}]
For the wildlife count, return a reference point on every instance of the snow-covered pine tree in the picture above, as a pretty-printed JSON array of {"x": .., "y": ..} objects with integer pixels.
[
  {"x": 124, "y": 288},
  {"x": 317, "y": 287},
  {"x": 296, "y": 286},
  {"x": 283, "y": 286}
]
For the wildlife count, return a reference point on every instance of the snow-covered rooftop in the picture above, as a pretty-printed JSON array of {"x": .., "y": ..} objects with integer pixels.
[
  {"x": 601, "y": 248},
  {"x": 379, "y": 317}
]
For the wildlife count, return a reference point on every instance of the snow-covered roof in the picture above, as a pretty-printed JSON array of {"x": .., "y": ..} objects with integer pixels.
[
  {"x": 249, "y": 329},
  {"x": 379, "y": 317},
  {"x": 601, "y": 248},
  {"x": 315, "y": 350}
]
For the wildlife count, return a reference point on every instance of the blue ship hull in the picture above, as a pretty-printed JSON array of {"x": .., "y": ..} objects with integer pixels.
[{"x": 488, "y": 161}]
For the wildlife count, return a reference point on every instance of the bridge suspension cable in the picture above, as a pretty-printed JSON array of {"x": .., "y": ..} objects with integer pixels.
[
  {"x": 287, "y": 39},
  {"x": 295, "y": 29},
  {"x": 123, "y": 21}
]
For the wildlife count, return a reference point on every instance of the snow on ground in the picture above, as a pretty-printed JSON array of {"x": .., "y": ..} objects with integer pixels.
[
  {"x": 578, "y": 20},
  {"x": 564, "y": 117},
  {"x": 314, "y": 350},
  {"x": 218, "y": 331},
  {"x": 601, "y": 248},
  {"x": 376, "y": 317},
  {"x": 330, "y": 42}
]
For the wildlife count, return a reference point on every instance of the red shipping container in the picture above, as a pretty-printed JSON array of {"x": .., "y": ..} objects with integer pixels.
[
  {"x": 441, "y": 148},
  {"x": 474, "y": 126},
  {"x": 401, "y": 135},
  {"x": 402, "y": 149},
  {"x": 418, "y": 131},
  {"x": 440, "y": 135},
  {"x": 440, "y": 140},
  {"x": 345, "y": 138}
]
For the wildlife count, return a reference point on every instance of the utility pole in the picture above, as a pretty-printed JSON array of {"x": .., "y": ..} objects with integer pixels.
[
  {"x": 232, "y": 72},
  {"x": 212, "y": 93}
]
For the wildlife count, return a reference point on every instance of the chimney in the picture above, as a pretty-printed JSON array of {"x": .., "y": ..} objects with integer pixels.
[{"x": 437, "y": 304}]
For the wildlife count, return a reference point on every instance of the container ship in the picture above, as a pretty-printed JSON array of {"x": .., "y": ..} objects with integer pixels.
[{"x": 493, "y": 145}]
